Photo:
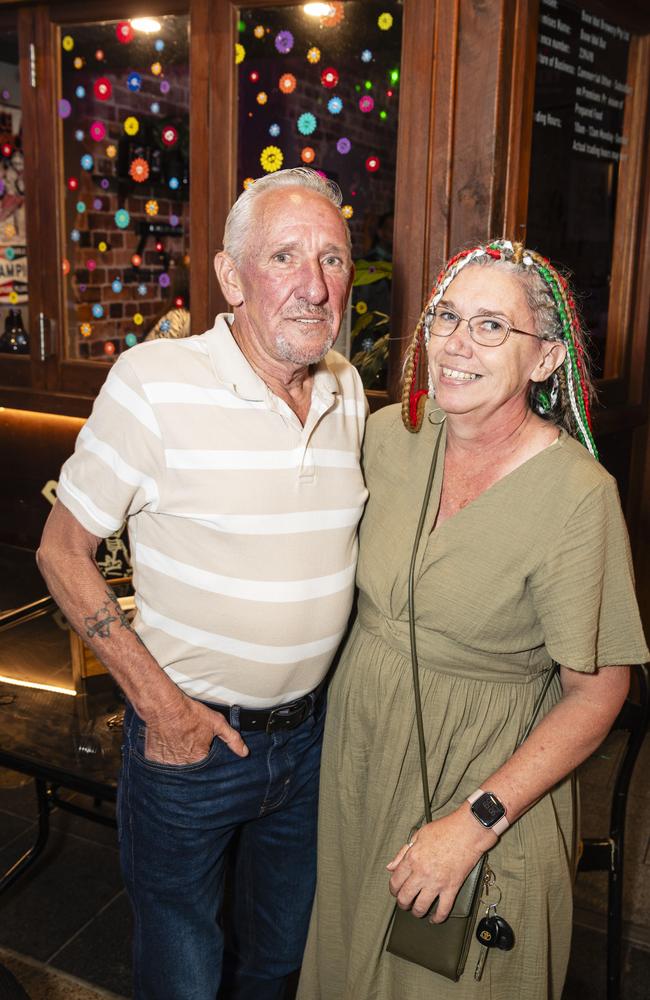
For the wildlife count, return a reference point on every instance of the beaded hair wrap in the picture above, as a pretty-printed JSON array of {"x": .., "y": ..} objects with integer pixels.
[{"x": 570, "y": 378}]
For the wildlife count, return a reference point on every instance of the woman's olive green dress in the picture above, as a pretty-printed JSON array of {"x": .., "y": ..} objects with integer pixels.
[{"x": 537, "y": 567}]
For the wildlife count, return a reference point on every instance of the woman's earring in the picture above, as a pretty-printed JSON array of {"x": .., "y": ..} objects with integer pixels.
[{"x": 548, "y": 396}]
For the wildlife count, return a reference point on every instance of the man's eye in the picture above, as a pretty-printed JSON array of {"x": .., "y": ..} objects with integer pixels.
[
  {"x": 333, "y": 261},
  {"x": 281, "y": 258}
]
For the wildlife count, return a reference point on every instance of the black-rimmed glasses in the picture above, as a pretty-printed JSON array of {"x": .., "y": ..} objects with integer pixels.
[{"x": 489, "y": 331}]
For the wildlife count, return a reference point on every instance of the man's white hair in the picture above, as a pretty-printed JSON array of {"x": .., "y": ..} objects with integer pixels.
[{"x": 239, "y": 224}]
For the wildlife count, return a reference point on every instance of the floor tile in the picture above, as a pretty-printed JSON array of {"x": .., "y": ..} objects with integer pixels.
[{"x": 101, "y": 953}]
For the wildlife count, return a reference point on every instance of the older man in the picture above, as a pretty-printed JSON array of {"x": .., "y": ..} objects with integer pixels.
[{"x": 234, "y": 457}]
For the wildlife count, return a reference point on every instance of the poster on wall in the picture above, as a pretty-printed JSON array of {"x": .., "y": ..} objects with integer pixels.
[{"x": 13, "y": 248}]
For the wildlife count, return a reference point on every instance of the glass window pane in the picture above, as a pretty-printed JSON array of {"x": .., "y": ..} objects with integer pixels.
[
  {"x": 124, "y": 111},
  {"x": 14, "y": 298},
  {"x": 323, "y": 91},
  {"x": 580, "y": 137}
]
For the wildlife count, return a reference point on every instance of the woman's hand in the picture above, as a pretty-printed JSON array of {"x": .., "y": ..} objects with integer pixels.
[{"x": 442, "y": 856}]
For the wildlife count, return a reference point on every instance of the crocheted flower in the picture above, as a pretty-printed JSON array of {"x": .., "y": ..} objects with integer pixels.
[
  {"x": 139, "y": 170},
  {"x": 366, "y": 56},
  {"x": 68, "y": 43},
  {"x": 385, "y": 21},
  {"x": 335, "y": 105},
  {"x": 122, "y": 218},
  {"x": 124, "y": 32},
  {"x": 329, "y": 77},
  {"x": 274, "y": 129},
  {"x": 262, "y": 97},
  {"x": 151, "y": 208},
  {"x": 134, "y": 82},
  {"x": 240, "y": 53},
  {"x": 337, "y": 15},
  {"x": 87, "y": 161},
  {"x": 111, "y": 151},
  {"x": 85, "y": 329},
  {"x": 169, "y": 135},
  {"x": 287, "y": 83},
  {"x": 259, "y": 31},
  {"x": 361, "y": 307},
  {"x": 156, "y": 68},
  {"x": 313, "y": 54},
  {"x": 248, "y": 182},
  {"x": 131, "y": 125},
  {"x": 307, "y": 155},
  {"x": 103, "y": 89},
  {"x": 138, "y": 319},
  {"x": 284, "y": 42},
  {"x": 98, "y": 310},
  {"x": 97, "y": 131},
  {"x": 372, "y": 164},
  {"x": 343, "y": 145},
  {"x": 271, "y": 159},
  {"x": 347, "y": 211},
  {"x": 366, "y": 104},
  {"x": 307, "y": 123}
]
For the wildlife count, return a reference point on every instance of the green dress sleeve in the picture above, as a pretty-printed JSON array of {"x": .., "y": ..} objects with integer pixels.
[{"x": 583, "y": 589}]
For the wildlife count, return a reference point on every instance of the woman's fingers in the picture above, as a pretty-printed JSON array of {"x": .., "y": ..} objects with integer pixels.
[{"x": 397, "y": 860}]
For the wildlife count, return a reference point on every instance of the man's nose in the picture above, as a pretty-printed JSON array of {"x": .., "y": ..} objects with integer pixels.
[{"x": 311, "y": 283}]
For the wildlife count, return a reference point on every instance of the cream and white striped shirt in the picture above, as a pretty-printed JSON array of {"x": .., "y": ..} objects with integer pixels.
[{"x": 242, "y": 522}]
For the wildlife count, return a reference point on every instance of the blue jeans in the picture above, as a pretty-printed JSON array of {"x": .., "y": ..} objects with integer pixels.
[{"x": 175, "y": 824}]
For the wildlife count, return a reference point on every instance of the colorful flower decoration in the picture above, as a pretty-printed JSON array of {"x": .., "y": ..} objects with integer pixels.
[
  {"x": 361, "y": 307},
  {"x": 136, "y": 259},
  {"x": 287, "y": 83},
  {"x": 307, "y": 155},
  {"x": 102, "y": 246},
  {"x": 139, "y": 170},
  {"x": 105, "y": 183},
  {"x": 78, "y": 62},
  {"x": 284, "y": 42},
  {"x": 134, "y": 82},
  {"x": 248, "y": 181},
  {"x": 130, "y": 340},
  {"x": 307, "y": 123},
  {"x": 165, "y": 86},
  {"x": 372, "y": 164},
  {"x": 335, "y": 105},
  {"x": 97, "y": 131},
  {"x": 274, "y": 129},
  {"x": 347, "y": 211},
  {"x": 313, "y": 55},
  {"x": 271, "y": 159},
  {"x": 109, "y": 347},
  {"x": 174, "y": 183},
  {"x": 253, "y": 76},
  {"x": 73, "y": 183},
  {"x": 337, "y": 15},
  {"x": 142, "y": 289},
  {"x": 99, "y": 55},
  {"x": 258, "y": 31},
  {"x": 124, "y": 32},
  {"x": 159, "y": 45},
  {"x": 343, "y": 145},
  {"x": 117, "y": 286},
  {"x": 68, "y": 43},
  {"x": 122, "y": 218},
  {"x": 131, "y": 125},
  {"x": 151, "y": 208},
  {"x": 154, "y": 107},
  {"x": 156, "y": 68},
  {"x": 65, "y": 266},
  {"x": 169, "y": 135},
  {"x": 138, "y": 319},
  {"x": 79, "y": 135},
  {"x": 81, "y": 206},
  {"x": 164, "y": 280},
  {"x": 366, "y": 104},
  {"x": 6, "y": 149},
  {"x": 366, "y": 56},
  {"x": 80, "y": 92},
  {"x": 385, "y": 21},
  {"x": 98, "y": 204},
  {"x": 103, "y": 88},
  {"x": 86, "y": 329},
  {"x": 240, "y": 53},
  {"x": 65, "y": 108},
  {"x": 262, "y": 97},
  {"x": 87, "y": 162},
  {"x": 97, "y": 310},
  {"x": 329, "y": 77},
  {"x": 111, "y": 151}
]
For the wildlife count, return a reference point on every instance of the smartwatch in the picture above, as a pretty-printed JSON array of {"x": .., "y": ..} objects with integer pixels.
[{"x": 489, "y": 811}]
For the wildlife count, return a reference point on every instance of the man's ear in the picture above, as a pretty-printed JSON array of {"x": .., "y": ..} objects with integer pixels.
[
  {"x": 553, "y": 355},
  {"x": 228, "y": 278}
]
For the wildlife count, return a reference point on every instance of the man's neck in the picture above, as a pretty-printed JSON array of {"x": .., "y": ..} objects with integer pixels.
[{"x": 290, "y": 382}]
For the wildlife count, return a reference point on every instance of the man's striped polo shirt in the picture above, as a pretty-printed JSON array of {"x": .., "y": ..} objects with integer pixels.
[{"x": 242, "y": 522}]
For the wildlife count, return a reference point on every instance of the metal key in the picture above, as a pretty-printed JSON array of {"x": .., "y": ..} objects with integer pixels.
[{"x": 487, "y": 933}]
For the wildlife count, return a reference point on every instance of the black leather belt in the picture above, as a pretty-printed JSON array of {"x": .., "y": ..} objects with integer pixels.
[{"x": 273, "y": 720}]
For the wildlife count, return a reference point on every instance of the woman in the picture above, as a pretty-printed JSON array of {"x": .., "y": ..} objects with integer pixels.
[{"x": 524, "y": 559}]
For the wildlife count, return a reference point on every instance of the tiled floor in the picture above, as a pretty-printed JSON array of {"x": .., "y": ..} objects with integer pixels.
[{"x": 70, "y": 912}]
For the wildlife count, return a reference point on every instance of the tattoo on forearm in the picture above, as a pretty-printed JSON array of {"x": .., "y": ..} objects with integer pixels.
[{"x": 100, "y": 623}]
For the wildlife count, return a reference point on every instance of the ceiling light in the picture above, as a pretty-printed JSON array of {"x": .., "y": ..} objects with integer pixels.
[
  {"x": 318, "y": 9},
  {"x": 147, "y": 24}
]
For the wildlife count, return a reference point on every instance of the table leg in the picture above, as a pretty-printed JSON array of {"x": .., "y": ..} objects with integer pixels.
[{"x": 38, "y": 846}]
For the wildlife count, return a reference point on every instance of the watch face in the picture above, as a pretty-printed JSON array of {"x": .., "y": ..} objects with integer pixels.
[{"x": 488, "y": 810}]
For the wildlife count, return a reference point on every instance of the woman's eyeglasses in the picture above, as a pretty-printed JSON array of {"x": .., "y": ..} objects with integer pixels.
[{"x": 489, "y": 331}]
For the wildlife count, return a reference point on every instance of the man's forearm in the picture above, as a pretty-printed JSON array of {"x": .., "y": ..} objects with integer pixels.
[{"x": 93, "y": 610}]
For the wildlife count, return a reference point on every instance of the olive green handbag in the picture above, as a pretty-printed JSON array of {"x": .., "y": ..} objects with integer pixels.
[{"x": 442, "y": 948}]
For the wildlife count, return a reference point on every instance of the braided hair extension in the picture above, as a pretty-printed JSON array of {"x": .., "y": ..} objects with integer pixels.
[{"x": 564, "y": 397}]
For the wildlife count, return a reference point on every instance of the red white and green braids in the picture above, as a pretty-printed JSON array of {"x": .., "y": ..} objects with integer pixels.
[{"x": 565, "y": 396}]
